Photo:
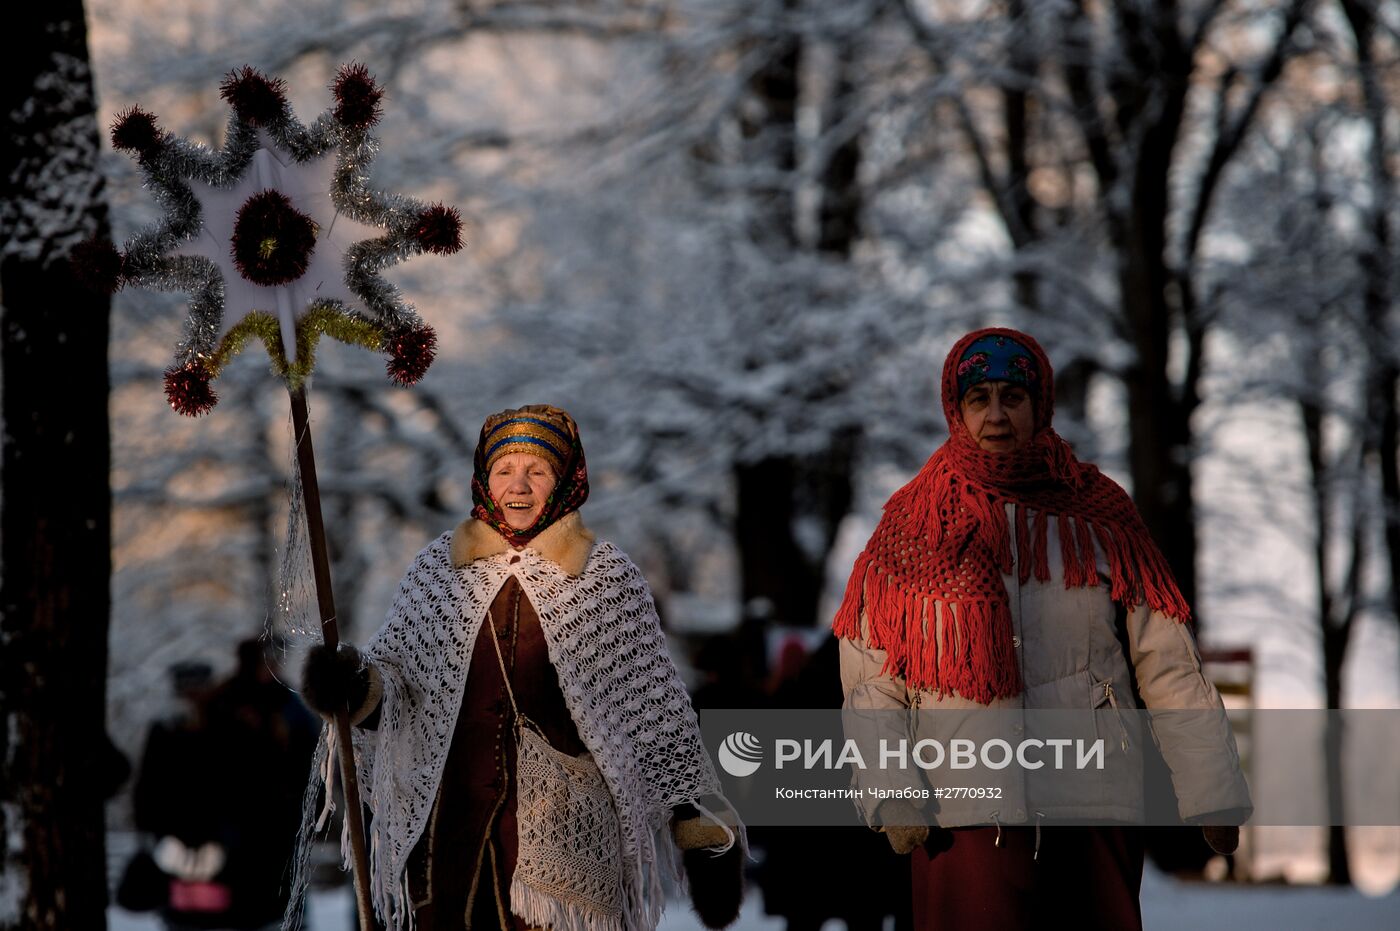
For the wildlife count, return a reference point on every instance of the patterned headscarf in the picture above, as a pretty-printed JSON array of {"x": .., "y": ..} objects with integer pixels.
[
  {"x": 945, "y": 541},
  {"x": 541, "y": 430},
  {"x": 997, "y": 358}
]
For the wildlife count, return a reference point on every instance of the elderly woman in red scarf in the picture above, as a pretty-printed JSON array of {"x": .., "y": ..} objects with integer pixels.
[
  {"x": 1008, "y": 575},
  {"x": 519, "y": 618}
]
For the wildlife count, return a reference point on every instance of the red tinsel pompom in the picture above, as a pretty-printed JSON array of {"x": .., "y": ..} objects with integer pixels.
[
  {"x": 357, "y": 96},
  {"x": 189, "y": 391},
  {"x": 256, "y": 99},
  {"x": 412, "y": 352},
  {"x": 136, "y": 130},
  {"x": 439, "y": 229},
  {"x": 97, "y": 265},
  {"x": 272, "y": 240}
]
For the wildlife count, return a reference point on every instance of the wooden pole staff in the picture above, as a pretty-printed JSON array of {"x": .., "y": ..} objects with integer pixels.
[{"x": 321, "y": 566}]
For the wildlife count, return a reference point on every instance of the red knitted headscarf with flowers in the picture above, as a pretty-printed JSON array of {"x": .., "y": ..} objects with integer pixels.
[{"x": 944, "y": 540}]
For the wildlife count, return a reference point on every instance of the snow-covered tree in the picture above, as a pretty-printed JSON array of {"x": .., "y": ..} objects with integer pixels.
[{"x": 55, "y": 516}]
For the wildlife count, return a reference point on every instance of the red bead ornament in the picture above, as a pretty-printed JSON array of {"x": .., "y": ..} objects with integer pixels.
[
  {"x": 411, "y": 353},
  {"x": 188, "y": 390}
]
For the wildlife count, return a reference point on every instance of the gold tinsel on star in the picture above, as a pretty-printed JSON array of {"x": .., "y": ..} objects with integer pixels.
[{"x": 322, "y": 320}]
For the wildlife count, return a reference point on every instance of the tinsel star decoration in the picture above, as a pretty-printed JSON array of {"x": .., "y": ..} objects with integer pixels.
[{"x": 276, "y": 236}]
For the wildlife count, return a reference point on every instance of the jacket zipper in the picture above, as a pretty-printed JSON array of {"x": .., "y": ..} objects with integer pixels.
[{"x": 1113, "y": 702}]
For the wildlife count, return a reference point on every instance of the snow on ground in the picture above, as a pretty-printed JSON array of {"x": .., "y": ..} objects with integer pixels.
[{"x": 1167, "y": 904}]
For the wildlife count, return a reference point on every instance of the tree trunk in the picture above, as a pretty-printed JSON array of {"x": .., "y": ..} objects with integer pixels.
[
  {"x": 778, "y": 584},
  {"x": 1159, "y": 413},
  {"x": 1383, "y": 375},
  {"x": 1159, "y": 423},
  {"x": 1388, "y": 460},
  {"x": 56, "y": 523},
  {"x": 1334, "y": 651},
  {"x": 1335, "y": 630},
  {"x": 769, "y": 128},
  {"x": 1334, "y": 655},
  {"x": 1149, "y": 104},
  {"x": 781, "y": 573},
  {"x": 838, "y": 218}
]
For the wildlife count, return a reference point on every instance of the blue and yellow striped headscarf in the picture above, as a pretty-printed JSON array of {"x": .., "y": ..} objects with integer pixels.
[{"x": 540, "y": 430}]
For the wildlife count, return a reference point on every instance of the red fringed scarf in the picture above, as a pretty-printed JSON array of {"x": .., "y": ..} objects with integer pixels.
[{"x": 944, "y": 540}]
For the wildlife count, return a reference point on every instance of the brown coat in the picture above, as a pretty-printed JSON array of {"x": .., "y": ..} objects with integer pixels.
[{"x": 463, "y": 863}]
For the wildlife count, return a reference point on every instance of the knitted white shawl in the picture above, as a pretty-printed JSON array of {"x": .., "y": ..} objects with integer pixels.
[{"x": 621, "y": 688}]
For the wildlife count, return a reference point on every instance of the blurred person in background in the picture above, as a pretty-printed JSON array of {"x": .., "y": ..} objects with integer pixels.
[
  {"x": 724, "y": 679},
  {"x": 519, "y": 618},
  {"x": 268, "y": 739},
  {"x": 801, "y": 880},
  {"x": 177, "y": 799},
  {"x": 1009, "y": 575},
  {"x": 219, "y": 792}
]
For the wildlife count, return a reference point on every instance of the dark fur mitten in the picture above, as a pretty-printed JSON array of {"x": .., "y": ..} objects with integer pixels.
[
  {"x": 1221, "y": 828},
  {"x": 334, "y": 680},
  {"x": 716, "y": 884}
]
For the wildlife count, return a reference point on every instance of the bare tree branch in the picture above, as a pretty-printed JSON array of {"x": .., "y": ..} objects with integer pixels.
[{"x": 1230, "y": 134}]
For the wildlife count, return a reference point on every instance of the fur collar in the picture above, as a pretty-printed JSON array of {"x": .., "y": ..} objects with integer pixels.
[{"x": 566, "y": 543}]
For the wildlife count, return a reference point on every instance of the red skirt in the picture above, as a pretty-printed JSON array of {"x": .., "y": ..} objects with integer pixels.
[{"x": 1084, "y": 877}]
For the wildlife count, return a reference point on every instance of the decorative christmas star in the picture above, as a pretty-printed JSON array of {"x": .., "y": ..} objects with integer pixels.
[{"x": 276, "y": 236}]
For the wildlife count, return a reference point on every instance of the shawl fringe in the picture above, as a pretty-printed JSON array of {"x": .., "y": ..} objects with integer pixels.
[
  {"x": 931, "y": 642},
  {"x": 941, "y": 642},
  {"x": 542, "y": 910}
]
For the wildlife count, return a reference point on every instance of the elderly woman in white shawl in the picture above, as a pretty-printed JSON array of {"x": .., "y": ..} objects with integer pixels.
[{"x": 519, "y": 626}]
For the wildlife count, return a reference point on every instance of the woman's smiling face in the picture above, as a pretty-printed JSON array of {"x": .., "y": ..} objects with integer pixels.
[{"x": 520, "y": 483}]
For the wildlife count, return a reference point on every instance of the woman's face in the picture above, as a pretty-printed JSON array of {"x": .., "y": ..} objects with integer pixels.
[
  {"x": 520, "y": 483},
  {"x": 999, "y": 415}
]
